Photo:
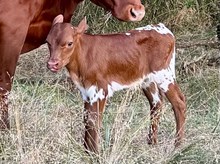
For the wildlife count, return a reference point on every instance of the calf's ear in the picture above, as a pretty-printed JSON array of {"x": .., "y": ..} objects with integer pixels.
[
  {"x": 58, "y": 19},
  {"x": 82, "y": 27}
]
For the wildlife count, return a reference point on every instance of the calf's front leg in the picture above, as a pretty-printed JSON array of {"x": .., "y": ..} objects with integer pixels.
[{"x": 93, "y": 122}]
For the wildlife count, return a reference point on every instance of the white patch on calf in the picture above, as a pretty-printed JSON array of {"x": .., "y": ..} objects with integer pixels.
[
  {"x": 172, "y": 62},
  {"x": 162, "y": 79},
  {"x": 156, "y": 98},
  {"x": 127, "y": 33},
  {"x": 114, "y": 86},
  {"x": 155, "y": 95},
  {"x": 160, "y": 28},
  {"x": 91, "y": 94}
]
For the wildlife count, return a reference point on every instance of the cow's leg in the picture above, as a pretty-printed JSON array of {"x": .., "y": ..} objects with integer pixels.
[
  {"x": 11, "y": 41},
  {"x": 4, "y": 122},
  {"x": 177, "y": 99},
  {"x": 8, "y": 60},
  {"x": 93, "y": 122},
  {"x": 155, "y": 99}
]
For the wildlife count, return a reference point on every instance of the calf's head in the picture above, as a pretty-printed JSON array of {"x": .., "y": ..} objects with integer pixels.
[
  {"x": 61, "y": 41},
  {"x": 126, "y": 10}
]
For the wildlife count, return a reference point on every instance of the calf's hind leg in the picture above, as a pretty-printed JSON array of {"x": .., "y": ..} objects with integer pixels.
[
  {"x": 177, "y": 99},
  {"x": 154, "y": 97}
]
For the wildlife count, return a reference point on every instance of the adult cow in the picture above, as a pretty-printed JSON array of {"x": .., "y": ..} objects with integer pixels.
[{"x": 24, "y": 25}]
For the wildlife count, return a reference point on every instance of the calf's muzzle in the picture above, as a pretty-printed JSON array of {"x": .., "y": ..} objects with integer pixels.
[{"x": 53, "y": 65}]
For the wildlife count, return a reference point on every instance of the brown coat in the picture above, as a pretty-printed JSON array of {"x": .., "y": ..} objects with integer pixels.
[
  {"x": 24, "y": 25},
  {"x": 102, "y": 64}
]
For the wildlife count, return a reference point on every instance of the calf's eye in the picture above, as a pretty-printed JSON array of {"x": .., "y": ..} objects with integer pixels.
[{"x": 69, "y": 44}]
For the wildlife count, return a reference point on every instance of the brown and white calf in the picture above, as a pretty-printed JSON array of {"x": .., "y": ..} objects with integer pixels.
[{"x": 99, "y": 65}]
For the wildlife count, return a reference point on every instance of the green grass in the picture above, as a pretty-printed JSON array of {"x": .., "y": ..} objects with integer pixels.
[{"x": 46, "y": 110}]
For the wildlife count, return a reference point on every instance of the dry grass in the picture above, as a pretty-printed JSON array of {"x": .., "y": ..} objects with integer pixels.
[{"x": 46, "y": 110}]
